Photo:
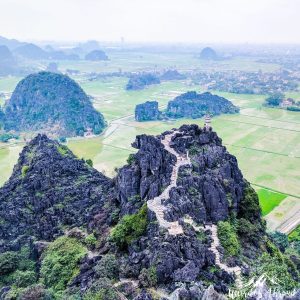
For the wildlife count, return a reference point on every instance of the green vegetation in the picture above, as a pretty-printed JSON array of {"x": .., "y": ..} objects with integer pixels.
[
  {"x": 228, "y": 238},
  {"x": 295, "y": 235},
  {"x": 130, "y": 159},
  {"x": 8, "y": 262},
  {"x": 268, "y": 200},
  {"x": 89, "y": 162},
  {"x": 5, "y": 137},
  {"x": 275, "y": 99},
  {"x": 63, "y": 150},
  {"x": 280, "y": 240},
  {"x": 293, "y": 108},
  {"x": 60, "y": 262},
  {"x": 102, "y": 294},
  {"x": 249, "y": 205},
  {"x": 148, "y": 277},
  {"x": 17, "y": 269},
  {"x": 279, "y": 268},
  {"x": 244, "y": 135},
  {"x": 24, "y": 171},
  {"x": 90, "y": 240},
  {"x": 107, "y": 267},
  {"x": 130, "y": 227}
]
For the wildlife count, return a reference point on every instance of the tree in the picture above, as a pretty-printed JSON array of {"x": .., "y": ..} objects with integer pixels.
[
  {"x": 275, "y": 99},
  {"x": 280, "y": 240}
]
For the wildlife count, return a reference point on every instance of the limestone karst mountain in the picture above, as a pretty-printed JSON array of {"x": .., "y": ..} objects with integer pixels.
[
  {"x": 187, "y": 105},
  {"x": 208, "y": 53},
  {"x": 147, "y": 111},
  {"x": 51, "y": 103},
  {"x": 178, "y": 221},
  {"x": 31, "y": 51},
  {"x": 140, "y": 81},
  {"x": 96, "y": 55},
  {"x": 7, "y": 61},
  {"x": 194, "y": 105}
]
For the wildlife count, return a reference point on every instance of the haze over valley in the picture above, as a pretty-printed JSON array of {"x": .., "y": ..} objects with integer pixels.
[{"x": 150, "y": 150}]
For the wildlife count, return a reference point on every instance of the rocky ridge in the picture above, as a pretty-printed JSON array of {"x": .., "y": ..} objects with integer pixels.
[
  {"x": 49, "y": 189},
  {"x": 180, "y": 186}
]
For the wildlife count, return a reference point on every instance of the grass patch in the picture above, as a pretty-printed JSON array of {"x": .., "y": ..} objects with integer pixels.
[
  {"x": 63, "y": 150},
  {"x": 60, "y": 262},
  {"x": 24, "y": 171},
  {"x": 268, "y": 200},
  {"x": 130, "y": 228},
  {"x": 295, "y": 235}
]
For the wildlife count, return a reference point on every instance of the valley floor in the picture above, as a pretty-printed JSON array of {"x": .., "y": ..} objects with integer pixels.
[{"x": 265, "y": 141}]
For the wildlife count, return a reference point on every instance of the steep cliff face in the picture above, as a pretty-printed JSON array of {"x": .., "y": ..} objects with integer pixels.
[
  {"x": 178, "y": 219},
  {"x": 51, "y": 103},
  {"x": 208, "y": 190},
  {"x": 146, "y": 176},
  {"x": 49, "y": 191},
  {"x": 212, "y": 187},
  {"x": 147, "y": 111}
]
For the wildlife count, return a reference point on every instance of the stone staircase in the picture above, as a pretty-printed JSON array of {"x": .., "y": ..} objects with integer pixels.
[
  {"x": 155, "y": 204},
  {"x": 214, "y": 248},
  {"x": 175, "y": 228}
]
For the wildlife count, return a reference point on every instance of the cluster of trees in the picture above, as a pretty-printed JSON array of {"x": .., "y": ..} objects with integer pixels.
[{"x": 275, "y": 99}]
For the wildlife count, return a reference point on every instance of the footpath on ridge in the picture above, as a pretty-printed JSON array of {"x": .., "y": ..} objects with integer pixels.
[{"x": 174, "y": 228}]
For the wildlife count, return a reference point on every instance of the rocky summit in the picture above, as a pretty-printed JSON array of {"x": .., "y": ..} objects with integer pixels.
[
  {"x": 147, "y": 111},
  {"x": 194, "y": 105},
  {"x": 49, "y": 189},
  {"x": 52, "y": 103},
  {"x": 179, "y": 221}
]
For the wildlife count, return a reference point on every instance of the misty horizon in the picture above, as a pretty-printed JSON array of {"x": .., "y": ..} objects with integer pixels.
[{"x": 167, "y": 22}]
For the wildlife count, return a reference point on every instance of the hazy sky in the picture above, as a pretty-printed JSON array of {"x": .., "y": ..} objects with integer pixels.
[{"x": 152, "y": 20}]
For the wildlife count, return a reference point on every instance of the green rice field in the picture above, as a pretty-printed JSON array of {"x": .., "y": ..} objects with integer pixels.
[{"x": 266, "y": 141}]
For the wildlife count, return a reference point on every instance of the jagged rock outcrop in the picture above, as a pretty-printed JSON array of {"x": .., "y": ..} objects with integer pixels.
[
  {"x": 194, "y": 105},
  {"x": 140, "y": 81},
  {"x": 147, "y": 111},
  {"x": 209, "y": 190},
  {"x": 96, "y": 55},
  {"x": 146, "y": 176},
  {"x": 50, "y": 190},
  {"x": 208, "y": 54},
  {"x": 213, "y": 186},
  {"x": 51, "y": 103},
  {"x": 172, "y": 75}
]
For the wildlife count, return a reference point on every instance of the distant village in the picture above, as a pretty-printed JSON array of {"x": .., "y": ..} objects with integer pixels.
[{"x": 248, "y": 82}]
